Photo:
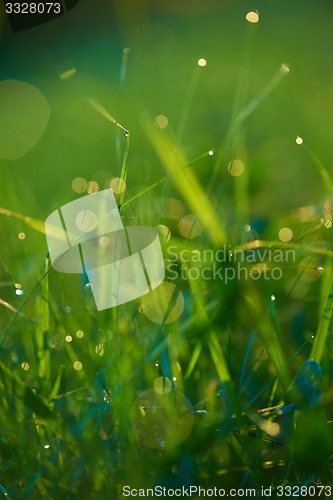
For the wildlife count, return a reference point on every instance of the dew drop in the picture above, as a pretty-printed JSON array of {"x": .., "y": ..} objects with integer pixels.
[
  {"x": 252, "y": 17},
  {"x": 320, "y": 270},
  {"x": 19, "y": 292},
  {"x": 285, "y": 69},
  {"x": 299, "y": 140},
  {"x": 273, "y": 297},
  {"x": 52, "y": 343},
  {"x": 211, "y": 152},
  {"x": 126, "y": 133}
]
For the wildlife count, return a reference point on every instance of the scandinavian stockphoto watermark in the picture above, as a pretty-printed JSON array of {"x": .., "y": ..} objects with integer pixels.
[
  {"x": 87, "y": 236},
  {"x": 226, "y": 264}
]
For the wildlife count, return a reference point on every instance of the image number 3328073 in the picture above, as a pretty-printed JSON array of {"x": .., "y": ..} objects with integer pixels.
[{"x": 24, "y": 15}]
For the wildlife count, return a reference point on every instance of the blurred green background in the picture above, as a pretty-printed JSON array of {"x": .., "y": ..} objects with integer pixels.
[{"x": 56, "y": 443}]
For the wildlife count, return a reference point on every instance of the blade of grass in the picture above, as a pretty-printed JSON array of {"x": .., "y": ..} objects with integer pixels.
[
  {"x": 275, "y": 378},
  {"x": 43, "y": 351},
  {"x": 193, "y": 361},
  {"x": 241, "y": 117},
  {"x": 321, "y": 168},
  {"x": 141, "y": 193},
  {"x": 12, "y": 384},
  {"x": 185, "y": 181},
  {"x": 122, "y": 75},
  {"x": 123, "y": 175},
  {"x": 38, "y": 225},
  {"x": 179, "y": 135},
  {"x": 323, "y": 327}
]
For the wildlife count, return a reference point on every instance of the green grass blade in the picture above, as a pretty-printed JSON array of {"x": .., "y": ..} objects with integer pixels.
[
  {"x": 12, "y": 384},
  {"x": 322, "y": 170},
  {"x": 193, "y": 361},
  {"x": 186, "y": 182},
  {"x": 323, "y": 327},
  {"x": 123, "y": 174}
]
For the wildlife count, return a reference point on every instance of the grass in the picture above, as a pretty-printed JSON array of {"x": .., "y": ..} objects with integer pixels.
[{"x": 200, "y": 382}]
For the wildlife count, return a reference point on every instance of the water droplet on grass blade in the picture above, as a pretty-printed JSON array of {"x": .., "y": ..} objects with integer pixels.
[
  {"x": 126, "y": 133},
  {"x": 252, "y": 17}
]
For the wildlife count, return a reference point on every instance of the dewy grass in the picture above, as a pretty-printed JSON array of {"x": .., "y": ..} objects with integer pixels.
[{"x": 84, "y": 394}]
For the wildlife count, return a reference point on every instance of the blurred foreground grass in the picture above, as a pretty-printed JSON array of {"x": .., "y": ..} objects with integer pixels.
[{"x": 201, "y": 382}]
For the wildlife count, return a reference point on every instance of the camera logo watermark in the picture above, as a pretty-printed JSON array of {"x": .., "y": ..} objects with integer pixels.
[
  {"x": 227, "y": 265},
  {"x": 87, "y": 236}
]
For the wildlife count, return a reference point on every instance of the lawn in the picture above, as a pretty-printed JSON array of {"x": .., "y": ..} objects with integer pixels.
[{"x": 212, "y": 123}]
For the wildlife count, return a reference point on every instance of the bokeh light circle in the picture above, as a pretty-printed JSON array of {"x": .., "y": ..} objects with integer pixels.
[
  {"x": 164, "y": 304},
  {"x": 24, "y": 115},
  {"x": 162, "y": 421}
]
